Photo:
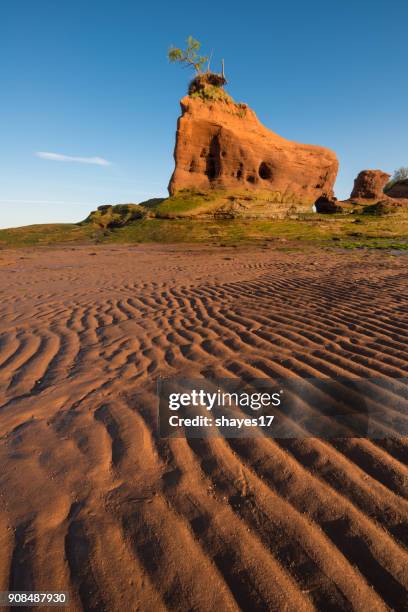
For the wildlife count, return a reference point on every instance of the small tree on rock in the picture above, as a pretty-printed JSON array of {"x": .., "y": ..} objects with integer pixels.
[
  {"x": 205, "y": 84},
  {"x": 189, "y": 56}
]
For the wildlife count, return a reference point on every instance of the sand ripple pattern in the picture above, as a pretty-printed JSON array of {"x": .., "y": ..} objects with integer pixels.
[{"x": 93, "y": 502}]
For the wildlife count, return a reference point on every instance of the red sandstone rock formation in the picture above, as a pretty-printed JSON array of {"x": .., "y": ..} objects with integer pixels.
[
  {"x": 223, "y": 145},
  {"x": 398, "y": 189},
  {"x": 369, "y": 196},
  {"x": 369, "y": 185}
]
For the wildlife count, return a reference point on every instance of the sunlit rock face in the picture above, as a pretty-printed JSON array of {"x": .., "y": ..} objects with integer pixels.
[
  {"x": 369, "y": 185},
  {"x": 222, "y": 145}
]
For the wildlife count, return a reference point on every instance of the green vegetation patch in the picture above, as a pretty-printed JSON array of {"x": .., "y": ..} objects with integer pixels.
[
  {"x": 47, "y": 234},
  {"x": 187, "y": 203},
  {"x": 163, "y": 221},
  {"x": 212, "y": 93}
]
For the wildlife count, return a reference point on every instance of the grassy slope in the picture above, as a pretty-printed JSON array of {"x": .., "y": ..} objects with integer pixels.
[
  {"x": 45, "y": 234},
  {"x": 348, "y": 231}
]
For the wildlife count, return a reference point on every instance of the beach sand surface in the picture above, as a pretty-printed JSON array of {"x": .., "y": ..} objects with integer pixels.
[{"x": 95, "y": 503}]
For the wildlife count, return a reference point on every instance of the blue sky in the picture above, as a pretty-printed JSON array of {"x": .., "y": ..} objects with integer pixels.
[{"x": 90, "y": 79}]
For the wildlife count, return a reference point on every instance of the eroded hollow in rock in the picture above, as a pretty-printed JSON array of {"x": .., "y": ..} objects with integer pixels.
[
  {"x": 240, "y": 170},
  {"x": 326, "y": 205},
  {"x": 213, "y": 163},
  {"x": 265, "y": 171}
]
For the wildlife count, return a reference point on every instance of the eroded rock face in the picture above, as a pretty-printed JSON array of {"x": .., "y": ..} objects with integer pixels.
[
  {"x": 398, "y": 189},
  {"x": 222, "y": 145},
  {"x": 369, "y": 185}
]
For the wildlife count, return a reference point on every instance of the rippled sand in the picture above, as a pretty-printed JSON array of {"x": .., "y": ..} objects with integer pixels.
[{"x": 93, "y": 502}]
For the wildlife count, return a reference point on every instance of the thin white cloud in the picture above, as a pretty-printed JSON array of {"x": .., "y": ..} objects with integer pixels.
[{"x": 99, "y": 161}]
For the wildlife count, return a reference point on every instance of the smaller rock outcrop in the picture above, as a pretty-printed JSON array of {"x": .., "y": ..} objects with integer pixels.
[
  {"x": 397, "y": 189},
  {"x": 110, "y": 216},
  {"x": 371, "y": 195},
  {"x": 369, "y": 185}
]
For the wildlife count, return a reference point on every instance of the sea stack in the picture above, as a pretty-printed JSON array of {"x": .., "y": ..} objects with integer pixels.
[
  {"x": 222, "y": 146},
  {"x": 369, "y": 185}
]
